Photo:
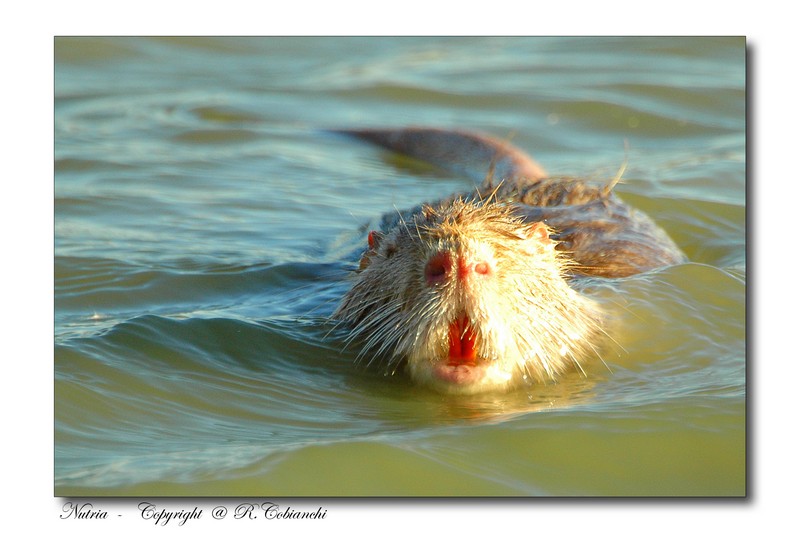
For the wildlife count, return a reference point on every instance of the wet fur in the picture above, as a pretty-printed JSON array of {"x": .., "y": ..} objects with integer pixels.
[{"x": 539, "y": 233}]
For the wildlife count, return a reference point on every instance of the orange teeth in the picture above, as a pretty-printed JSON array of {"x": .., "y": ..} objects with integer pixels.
[{"x": 462, "y": 343}]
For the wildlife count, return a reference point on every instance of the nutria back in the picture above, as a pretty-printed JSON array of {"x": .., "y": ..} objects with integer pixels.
[{"x": 604, "y": 235}]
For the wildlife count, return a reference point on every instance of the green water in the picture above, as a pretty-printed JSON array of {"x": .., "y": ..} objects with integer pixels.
[{"x": 205, "y": 228}]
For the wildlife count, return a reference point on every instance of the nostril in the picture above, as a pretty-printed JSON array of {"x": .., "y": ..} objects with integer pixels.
[
  {"x": 437, "y": 268},
  {"x": 468, "y": 270}
]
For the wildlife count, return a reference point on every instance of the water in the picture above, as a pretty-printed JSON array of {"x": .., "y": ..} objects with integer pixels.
[{"x": 205, "y": 227}]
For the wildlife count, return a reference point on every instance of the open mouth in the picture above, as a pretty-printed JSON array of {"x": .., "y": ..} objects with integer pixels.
[
  {"x": 461, "y": 365},
  {"x": 462, "y": 339}
]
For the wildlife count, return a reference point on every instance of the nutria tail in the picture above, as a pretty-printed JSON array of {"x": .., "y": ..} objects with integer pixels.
[{"x": 476, "y": 155}]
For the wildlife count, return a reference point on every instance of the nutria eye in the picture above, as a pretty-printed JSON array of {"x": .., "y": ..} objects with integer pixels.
[{"x": 390, "y": 251}]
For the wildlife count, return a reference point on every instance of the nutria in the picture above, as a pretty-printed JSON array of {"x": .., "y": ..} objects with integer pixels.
[{"x": 477, "y": 292}]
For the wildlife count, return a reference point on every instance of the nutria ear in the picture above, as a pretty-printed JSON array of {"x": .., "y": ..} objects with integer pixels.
[
  {"x": 374, "y": 239},
  {"x": 537, "y": 231}
]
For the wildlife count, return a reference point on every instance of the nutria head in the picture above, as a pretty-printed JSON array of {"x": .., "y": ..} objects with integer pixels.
[{"x": 469, "y": 298}]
